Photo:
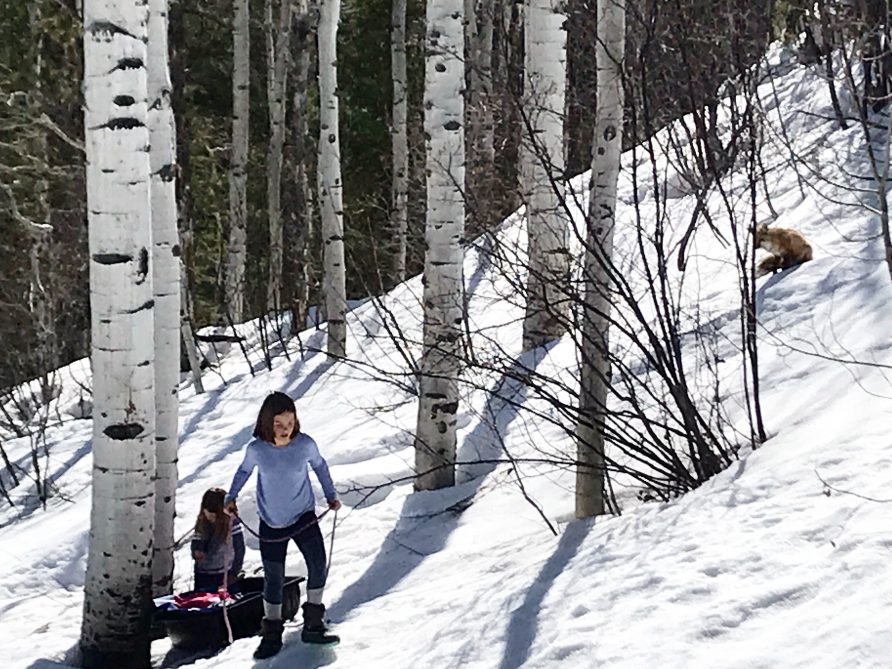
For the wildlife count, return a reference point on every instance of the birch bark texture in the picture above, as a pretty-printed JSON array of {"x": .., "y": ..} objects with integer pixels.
[
  {"x": 594, "y": 353},
  {"x": 444, "y": 255},
  {"x": 545, "y": 78},
  {"x": 334, "y": 278},
  {"x": 166, "y": 287},
  {"x": 278, "y": 38},
  {"x": 118, "y": 582},
  {"x": 238, "y": 163},
  {"x": 399, "y": 215}
]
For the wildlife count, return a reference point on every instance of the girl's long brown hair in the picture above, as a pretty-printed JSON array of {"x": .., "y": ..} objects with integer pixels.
[{"x": 212, "y": 500}]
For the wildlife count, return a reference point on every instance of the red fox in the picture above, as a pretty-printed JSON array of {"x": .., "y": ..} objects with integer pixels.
[{"x": 786, "y": 246}]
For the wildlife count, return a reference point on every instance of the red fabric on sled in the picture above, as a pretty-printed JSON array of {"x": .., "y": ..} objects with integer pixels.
[{"x": 198, "y": 600}]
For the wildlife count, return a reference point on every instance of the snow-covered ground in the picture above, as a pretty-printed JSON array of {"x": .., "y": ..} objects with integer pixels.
[{"x": 765, "y": 566}]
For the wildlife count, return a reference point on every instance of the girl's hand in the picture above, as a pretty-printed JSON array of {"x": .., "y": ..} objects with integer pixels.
[
  {"x": 334, "y": 504},
  {"x": 198, "y": 555}
]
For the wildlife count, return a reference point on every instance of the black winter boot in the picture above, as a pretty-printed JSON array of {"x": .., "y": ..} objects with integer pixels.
[
  {"x": 271, "y": 638},
  {"x": 314, "y": 630}
]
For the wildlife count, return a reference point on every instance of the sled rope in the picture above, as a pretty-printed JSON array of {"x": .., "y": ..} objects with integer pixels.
[
  {"x": 334, "y": 525},
  {"x": 224, "y": 593},
  {"x": 290, "y": 536},
  {"x": 179, "y": 543}
]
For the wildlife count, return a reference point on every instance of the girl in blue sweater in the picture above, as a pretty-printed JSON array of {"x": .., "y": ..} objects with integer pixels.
[{"x": 282, "y": 455}]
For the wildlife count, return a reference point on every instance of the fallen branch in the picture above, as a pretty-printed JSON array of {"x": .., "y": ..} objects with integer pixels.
[{"x": 828, "y": 488}]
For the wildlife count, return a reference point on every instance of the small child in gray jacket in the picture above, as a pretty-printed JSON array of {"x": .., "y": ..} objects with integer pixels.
[{"x": 218, "y": 544}]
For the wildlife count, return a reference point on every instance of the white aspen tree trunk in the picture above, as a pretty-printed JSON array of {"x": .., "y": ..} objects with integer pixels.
[
  {"x": 298, "y": 240},
  {"x": 278, "y": 52},
  {"x": 399, "y": 215},
  {"x": 545, "y": 75},
  {"x": 594, "y": 358},
  {"x": 238, "y": 163},
  {"x": 334, "y": 279},
  {"x": 444, "y": 257},
  {"x": 118, "y": 582},
  {"x": 166, "y": 285}
]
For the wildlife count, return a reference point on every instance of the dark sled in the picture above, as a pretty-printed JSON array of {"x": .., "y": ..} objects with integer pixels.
[{"x": 206, "y": 628}]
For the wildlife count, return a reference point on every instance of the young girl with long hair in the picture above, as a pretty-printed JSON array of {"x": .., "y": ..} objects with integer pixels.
[
  {"x": 218, "y": 545},
  {"x": 282, "y": 455}
]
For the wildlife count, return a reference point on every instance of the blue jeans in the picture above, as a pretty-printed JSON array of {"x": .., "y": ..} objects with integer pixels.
[{"x": 274, "y": 547}]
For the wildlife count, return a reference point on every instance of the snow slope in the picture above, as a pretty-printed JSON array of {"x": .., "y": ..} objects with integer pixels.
[{"x": 765, "y": 566}]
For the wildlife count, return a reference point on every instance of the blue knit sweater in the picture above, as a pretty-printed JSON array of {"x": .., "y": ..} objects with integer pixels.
[{"x": 284, "y": 492}]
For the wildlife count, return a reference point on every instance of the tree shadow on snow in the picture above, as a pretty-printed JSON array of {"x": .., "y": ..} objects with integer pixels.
[
  {"x": 296, "y": 392},
  {"x": 236, "y": 444},
  {"x": 484, "y": 442},
  {"x": 483, "y": 248},
  {"x": 32, "y": 502},
  {"x": 524, "y": 621},
  {"x": 209, "y": 401},
  {"x": 427, "y": 519}
]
